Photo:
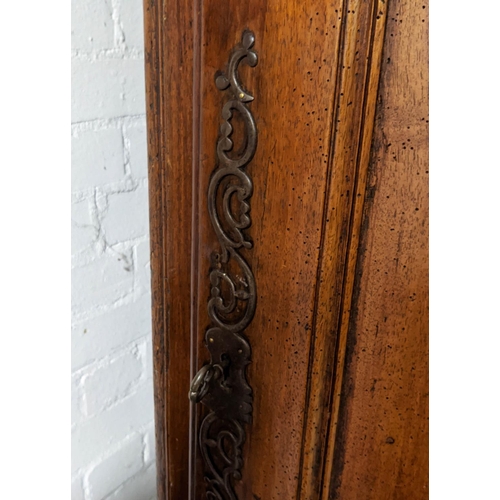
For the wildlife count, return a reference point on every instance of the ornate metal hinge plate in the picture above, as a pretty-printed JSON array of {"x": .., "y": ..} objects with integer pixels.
[{"x": 221, "y": 384}]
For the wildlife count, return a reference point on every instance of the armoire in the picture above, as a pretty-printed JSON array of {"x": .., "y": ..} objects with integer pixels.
[{"x": 288, "y": 180}]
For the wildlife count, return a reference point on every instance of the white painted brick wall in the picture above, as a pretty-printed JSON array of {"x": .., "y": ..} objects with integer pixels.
[
  {"x": 99, "y": 155},
  {"x": 113, "y": 454},
  {"x": 127, "y": 459}
]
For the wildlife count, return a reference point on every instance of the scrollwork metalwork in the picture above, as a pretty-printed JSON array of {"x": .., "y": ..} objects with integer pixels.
[{"x": 221, "y": 385}]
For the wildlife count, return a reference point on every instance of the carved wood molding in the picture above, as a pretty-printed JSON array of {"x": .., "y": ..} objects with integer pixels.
[{"x": 356, "y": 69}]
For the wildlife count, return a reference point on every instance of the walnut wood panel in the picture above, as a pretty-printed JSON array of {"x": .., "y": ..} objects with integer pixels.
[
  {"x": 382, "y": 441},
  {"x": 316, "y": 78},
  {"x": 354, "y": 99},
  {"x": 315, "y": 90},
  {"x": 293, "y": 110},
  {"x": 169, "y": 77}
]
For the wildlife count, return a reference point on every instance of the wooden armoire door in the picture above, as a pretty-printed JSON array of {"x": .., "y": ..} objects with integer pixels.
[{"x": 288, "y": 179}]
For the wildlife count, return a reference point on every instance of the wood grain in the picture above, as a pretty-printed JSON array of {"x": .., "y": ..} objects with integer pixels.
[
  {"x": 355, "y": 97},
  {"x": 304, "y": 177},
  {"x": 293, "y": 86},
  {"x": 324, "y": 244},
  {"x": 382, "y": 443},
  {"x": 169, "y": 77}
]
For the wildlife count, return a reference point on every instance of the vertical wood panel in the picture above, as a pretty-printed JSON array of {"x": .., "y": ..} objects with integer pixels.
[
  {"x": 169, "y": 76},
  {"x": 382, "y": 443},
  {"x": 316, "y": 76},
  {"x": 354, "y": 103},
  {"x": 156, "y": 208},
  {"x": 315, "y": 91},
  {"x": 293, "y": 85}
]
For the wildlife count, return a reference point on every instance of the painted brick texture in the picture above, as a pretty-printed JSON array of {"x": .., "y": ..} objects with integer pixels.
[{"x": 112, "y": 400}]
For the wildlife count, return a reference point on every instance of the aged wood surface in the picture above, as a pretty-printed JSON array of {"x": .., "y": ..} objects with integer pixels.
[
  {"x": 315, "y": 89},
  {"x": 169, "y": 77},
  {"x": 316, "y": 78},
  {"x": 293, "y": 109},
  {"x": 355, "y": 97},
  {"x": 382, "y": 442}
]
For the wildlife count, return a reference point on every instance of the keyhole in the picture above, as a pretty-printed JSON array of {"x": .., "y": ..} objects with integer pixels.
[{"x": 225, "y": 361}]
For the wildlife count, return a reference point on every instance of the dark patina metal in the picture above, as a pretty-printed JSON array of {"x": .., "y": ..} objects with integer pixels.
[{"x": 221, "y": 384}]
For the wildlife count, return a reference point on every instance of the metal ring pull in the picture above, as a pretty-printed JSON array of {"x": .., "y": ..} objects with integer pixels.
[{"x": 199, "y": 385}]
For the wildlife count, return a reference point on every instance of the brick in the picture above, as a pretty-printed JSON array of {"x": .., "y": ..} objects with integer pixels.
[
  {"x": 111, "y": 382},
  {"x": 83, "y": 232},
  {"x": 104, "y": 431},
  {"x": 112, "y": 400},
  {"x": 92, "y": 26},
  {"x": 77, "y": 489},
  {"x": 107, "y": 88},
  {"x": 137, "y": 138},
  {"x": 102, "y": 281},
  {"x": 97, "y": 158},
  {"x": 94, "y": 338},
  {"x": 132, "y": 23},
  {"x": 143, "y": 267},
  {"x": 149, "y": 449},
  {"x": 134, "y": 204},
  {"x": 116, "y": 469},
  {"x": 148, "y": 364},
  {"x": 76, "y": 401},
  {"x": 141, "y": 486}
]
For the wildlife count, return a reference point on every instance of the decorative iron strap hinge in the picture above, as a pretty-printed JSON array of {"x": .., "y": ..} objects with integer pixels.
[{"x": 221, "y": 385}]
